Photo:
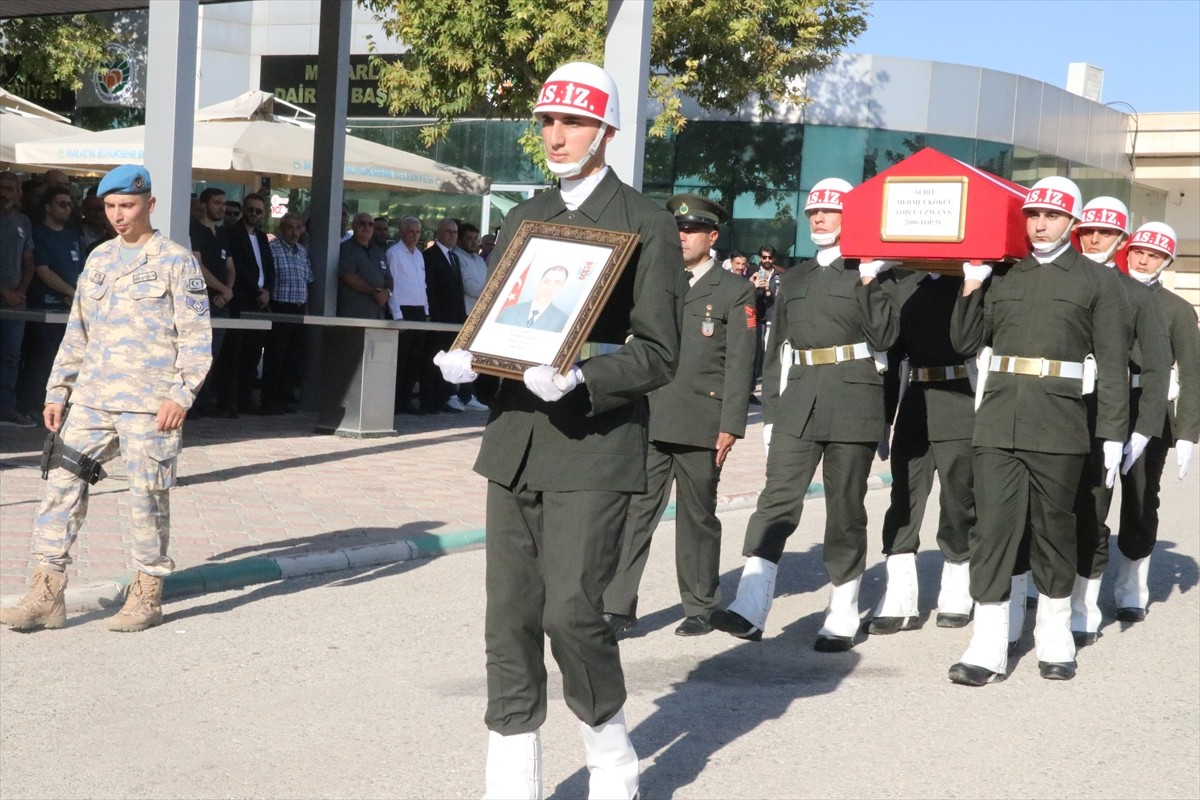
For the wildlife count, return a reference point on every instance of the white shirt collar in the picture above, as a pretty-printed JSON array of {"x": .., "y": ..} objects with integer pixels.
[{"x": 699, "y": 271}]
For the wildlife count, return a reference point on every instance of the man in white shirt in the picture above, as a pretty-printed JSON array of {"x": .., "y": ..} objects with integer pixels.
[{"x": 410, "y": 302}]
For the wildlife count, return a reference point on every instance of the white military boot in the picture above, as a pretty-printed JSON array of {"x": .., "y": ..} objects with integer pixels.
[
  {"x": 1131, "y": 590},
  {"x": 954, "y": 599},
  {"x": 1016, "y": 608},
  {"x": 746, "y": 617},
  {"x": 514, "y": 767},
  {"x": 986, "y": 658},
  {"x": 897, "y": 609},
  {"x": 1052, "y": 638},
  {"x": 611, "y": 761},
  {"x": 1085, "y": 611},
  {"x": 841, "y": 619}
]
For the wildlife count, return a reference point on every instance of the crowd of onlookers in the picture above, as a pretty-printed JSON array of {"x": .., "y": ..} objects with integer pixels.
[
  {"x": 386, "y": 270},
  {"x": 48, "y": 226}
]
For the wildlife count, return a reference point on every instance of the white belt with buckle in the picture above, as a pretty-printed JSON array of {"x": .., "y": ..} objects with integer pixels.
[
  {"x": 927, "y": 374},
  {"x": 831, "y": 355},
  {"x": 1037, "y": 367}
]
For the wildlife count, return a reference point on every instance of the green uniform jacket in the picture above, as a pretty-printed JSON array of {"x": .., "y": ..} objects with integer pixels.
[
  {"x": 595, "y": 437},
  {"x": 1149, "y": 357},
  {"x": 826, "y": 307},
  {"x": 1184, "y": 417},
  {"x": 933, "y": 411},
  {"x": 1063, "y": 310},
  {"x": 709, "y": 394}
]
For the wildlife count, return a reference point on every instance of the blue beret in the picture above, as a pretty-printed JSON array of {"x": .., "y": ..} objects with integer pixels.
[{"x": 125, "y": 179}]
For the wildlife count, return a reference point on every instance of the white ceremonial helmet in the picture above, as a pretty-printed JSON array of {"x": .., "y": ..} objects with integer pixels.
[
  {"x": 1103, "y": 212},
  {"x": 1157, "y": 236},
  {"x": 1055, "y": 193},
  {"x": 584, "y": 90},
  {"x": 826, "y": 194}
]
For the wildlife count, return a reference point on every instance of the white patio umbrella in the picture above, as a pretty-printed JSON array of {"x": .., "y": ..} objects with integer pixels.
[
  {"x": 241, "y": 139},
  {"x": 16, "y": 128}
]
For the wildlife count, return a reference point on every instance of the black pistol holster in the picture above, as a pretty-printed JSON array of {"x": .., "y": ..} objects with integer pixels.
[{"x": 56, "y": 454}]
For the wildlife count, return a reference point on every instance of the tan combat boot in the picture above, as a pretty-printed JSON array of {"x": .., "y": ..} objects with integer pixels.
[
  {"x": 143, "y": 605},
  {"x": 42, "y": 606}
]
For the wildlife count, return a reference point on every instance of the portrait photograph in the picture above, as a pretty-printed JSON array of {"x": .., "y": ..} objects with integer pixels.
[{"x": 544, "y": 297}]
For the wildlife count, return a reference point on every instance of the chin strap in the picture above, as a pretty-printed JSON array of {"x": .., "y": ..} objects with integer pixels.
[{"x": 576, "y": 167}]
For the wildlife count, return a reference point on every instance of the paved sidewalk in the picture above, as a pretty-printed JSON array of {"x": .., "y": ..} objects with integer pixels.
[{"x": 260, "y": 487}]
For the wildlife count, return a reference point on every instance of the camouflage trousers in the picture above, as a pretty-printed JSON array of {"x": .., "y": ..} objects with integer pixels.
[{"x": 150, "y": 458}]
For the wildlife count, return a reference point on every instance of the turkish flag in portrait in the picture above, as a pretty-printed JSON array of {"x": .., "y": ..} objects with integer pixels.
[{"x": 515, "y": 294}]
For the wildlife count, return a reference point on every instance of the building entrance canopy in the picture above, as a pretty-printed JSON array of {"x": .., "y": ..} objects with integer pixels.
[{"x": 241, "y": 139}]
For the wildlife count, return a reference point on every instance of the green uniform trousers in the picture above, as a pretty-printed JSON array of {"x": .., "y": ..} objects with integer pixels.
[
  {"x": 550, "y": 556},
  {"x": 914, "y": 463},
  {"x": 1092, "y": 502},
  {"x": 697, "y": 530},
  {"x": 1139, "y": 501},
  {"x": 1013, "y": 487},
  {"x": 791, "y": 464}
]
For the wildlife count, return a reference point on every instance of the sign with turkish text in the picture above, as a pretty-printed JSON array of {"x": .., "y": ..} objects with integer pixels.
[
  {"x": 293, "y": 79},
  {"x": 924, "y": 209}
]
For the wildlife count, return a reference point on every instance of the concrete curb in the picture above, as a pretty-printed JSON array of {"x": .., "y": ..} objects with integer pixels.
[{"x": 207, "y": 578}]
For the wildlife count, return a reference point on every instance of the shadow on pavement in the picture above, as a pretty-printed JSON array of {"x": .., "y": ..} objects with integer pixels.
[
  {"x": 332, "y": 540},
  {"x": 727, "y": 696}
]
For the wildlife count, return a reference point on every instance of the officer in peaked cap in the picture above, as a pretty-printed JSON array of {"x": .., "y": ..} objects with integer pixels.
[{"x": 694, "y": 422}]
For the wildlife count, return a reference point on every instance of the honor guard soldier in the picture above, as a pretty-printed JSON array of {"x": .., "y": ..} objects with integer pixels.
[
  {"x": 932, "y": 434},
  {"x": 839, "y": 321},
  {"x": 137, "y": 347},
  {"x": 563, "y": 455},
  {"x": 694, "y": 422},
  {"x": 1043, "y": 317},
  {"x": 1151, "y": 250},
  {"x": 1100, "y": 233}
]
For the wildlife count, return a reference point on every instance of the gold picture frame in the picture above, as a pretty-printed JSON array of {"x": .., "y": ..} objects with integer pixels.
[{"x": 543, "y": 298}]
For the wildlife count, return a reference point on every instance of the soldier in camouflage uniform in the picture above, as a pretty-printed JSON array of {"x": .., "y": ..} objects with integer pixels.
[{"x": 136, "y": 350}]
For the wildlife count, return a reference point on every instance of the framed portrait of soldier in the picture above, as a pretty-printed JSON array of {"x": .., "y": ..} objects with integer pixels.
[{"x": 542, "y": 299}]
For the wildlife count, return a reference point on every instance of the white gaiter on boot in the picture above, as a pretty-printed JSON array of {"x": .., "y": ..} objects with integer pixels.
[
  {"x": 756, "y": 591},
  {"x": 611, "y": 761},
  {"x": 514, "y": 767}
]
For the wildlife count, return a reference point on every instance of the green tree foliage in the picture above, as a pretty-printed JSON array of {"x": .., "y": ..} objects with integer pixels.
[
  {"x": 52, "y": 51},
  {"x": 488, "y": 58}
]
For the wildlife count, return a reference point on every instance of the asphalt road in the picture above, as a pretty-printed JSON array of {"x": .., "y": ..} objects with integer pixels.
[{"x": 371, "y": 685}]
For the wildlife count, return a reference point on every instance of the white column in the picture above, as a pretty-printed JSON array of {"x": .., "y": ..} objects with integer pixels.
[
  {"x": 329, "y": 153},
  {"x": 170, "y": 112},
  {"x": 627, "y": 59}
]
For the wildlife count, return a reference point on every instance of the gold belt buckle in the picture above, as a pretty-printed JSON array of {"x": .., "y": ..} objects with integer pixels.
[
  {"x": 1027, "y": 366},
  {"x": 825, "y": 355}
]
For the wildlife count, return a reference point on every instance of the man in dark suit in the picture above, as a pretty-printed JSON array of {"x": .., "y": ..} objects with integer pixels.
[
  {"x": 694, "y": 421},
  {"x": 254, "y": 271},
  {"x": 1044, "y": 317},
  {"x": 540, "y": 313},
  {"x": 444, "y": 285},
  {"x": 563, "y": 454},
  {"x": 839, "y": 320}
]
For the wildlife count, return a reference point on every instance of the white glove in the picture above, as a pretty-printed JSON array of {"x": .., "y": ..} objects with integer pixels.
[
  {"x": 1112, "y": 460},
  {"x": 871, "y": 269},
  {"x": 885, "y": 448},
  {"x": 767, "y": 436},
  {"x": 1183, "y": 454},
  {"x": 455, "y": 366},
  {"x": 546, "y": 382},
  {"x": 976, "y": 272},
  {"x": 1133, "y": 451}
]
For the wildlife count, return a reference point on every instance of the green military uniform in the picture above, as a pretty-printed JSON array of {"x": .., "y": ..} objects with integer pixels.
[
  {"x": 560, "y": 475},
  {"x": 832, "y": 412},
  {"x": 1138, "y": 530},
  {"x": 1031, "y": 433},
  {"x": 1150, "y": 361},
  {"x": 934, "y": 422},
  {"x": 707, "y": 397}
]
